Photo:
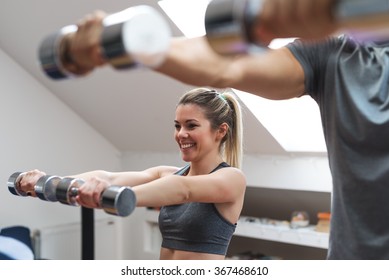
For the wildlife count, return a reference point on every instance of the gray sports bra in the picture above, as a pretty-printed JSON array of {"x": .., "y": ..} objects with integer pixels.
[{"x": 195, "y": 226}]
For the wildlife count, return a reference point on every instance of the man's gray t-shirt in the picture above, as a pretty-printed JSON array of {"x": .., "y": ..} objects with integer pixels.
[{"x": 350, "y": 83}]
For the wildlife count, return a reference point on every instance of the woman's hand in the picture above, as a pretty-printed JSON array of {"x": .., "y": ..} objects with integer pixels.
[
  {"x": 28, "y": 181},
  {"x": 89, "y": 194}
]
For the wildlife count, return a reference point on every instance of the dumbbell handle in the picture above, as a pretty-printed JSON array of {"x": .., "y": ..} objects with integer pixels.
[
  {"x": 230, "y": 24},
  {"x": 136, "y": 36}
]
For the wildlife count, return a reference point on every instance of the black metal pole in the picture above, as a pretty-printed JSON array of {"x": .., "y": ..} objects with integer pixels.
[{"x": 87, "y": 234}]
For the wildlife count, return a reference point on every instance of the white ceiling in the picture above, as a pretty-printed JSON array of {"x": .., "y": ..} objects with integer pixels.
[{"x": 132, "y": 109}]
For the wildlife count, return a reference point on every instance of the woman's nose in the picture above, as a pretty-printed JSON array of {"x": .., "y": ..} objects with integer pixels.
[{"x": 182, "y": 133}]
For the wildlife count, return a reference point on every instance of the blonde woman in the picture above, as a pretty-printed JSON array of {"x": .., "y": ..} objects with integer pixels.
[{"x": 201, "y": 202}]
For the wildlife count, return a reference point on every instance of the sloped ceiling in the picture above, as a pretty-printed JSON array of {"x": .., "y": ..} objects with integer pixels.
[{"x": 133, "y": 109}]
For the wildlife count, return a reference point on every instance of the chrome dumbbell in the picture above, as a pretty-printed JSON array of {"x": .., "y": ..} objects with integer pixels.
[
  {"x": 230, "y": 24},
  {"x": 44, "y": 188},
  {"x": 115, "y": 200},
  {"x": 137, "y": 35}
]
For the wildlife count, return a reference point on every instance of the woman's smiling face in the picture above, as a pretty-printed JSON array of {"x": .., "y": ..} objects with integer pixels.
[{"x": 193, "y": 133}]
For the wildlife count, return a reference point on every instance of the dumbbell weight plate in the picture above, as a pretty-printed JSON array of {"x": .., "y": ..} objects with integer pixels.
[
  {"x": 229, "y": 25},
  {"x": 46, "y": 186},
  {"x": 118, "y": 200},
  {"x": 66, "y": 191},
  {"x": 135, "y": 36},
  {"x": 49, "y": 53},
  {"x": 13, "y": 184}
]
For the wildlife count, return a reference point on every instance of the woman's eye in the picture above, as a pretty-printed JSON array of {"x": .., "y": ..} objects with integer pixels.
[{"x": 192, "y": 126}]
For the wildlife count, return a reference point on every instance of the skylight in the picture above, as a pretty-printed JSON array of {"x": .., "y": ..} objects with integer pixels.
[{"x": 294, "y": 123}]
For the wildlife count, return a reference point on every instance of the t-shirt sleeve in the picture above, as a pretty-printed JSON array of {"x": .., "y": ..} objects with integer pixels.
[{"x": 314, "y": 57}]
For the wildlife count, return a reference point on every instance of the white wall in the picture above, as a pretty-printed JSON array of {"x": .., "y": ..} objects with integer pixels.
[
  {"x": 292, "y": 172},
  {"x": 39, "y": 131}
]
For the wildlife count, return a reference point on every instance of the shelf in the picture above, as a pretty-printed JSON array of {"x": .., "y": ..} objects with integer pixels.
[
  {"x": 253, "y": 228},
  {"x": 307, "y": 236}
]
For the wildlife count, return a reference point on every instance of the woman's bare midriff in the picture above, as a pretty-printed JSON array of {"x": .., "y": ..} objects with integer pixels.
[{"x": 170, "y": 254}]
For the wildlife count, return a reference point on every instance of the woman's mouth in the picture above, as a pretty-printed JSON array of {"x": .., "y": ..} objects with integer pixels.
[{"x": 186, "y": 146}]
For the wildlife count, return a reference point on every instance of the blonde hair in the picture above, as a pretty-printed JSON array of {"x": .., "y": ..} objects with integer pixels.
[{"x": 221, "y": 108}]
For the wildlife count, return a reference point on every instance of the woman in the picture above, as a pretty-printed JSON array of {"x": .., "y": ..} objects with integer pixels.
[{"x": 202, "y": 201}]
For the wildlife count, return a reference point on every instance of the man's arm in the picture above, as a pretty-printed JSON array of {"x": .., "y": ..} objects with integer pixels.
[{"x": 273, "y": 74}]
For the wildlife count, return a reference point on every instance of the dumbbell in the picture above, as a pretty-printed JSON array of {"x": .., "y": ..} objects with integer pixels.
[
  {"x": 229, "y": 24},
  {"x": 136, "y": 36},
  {"x": 115, "y": 200},
  {"x": 44, "y": 188}
]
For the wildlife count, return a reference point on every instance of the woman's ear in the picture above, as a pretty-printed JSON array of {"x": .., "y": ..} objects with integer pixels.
[{"x": 222, "y": 131}]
